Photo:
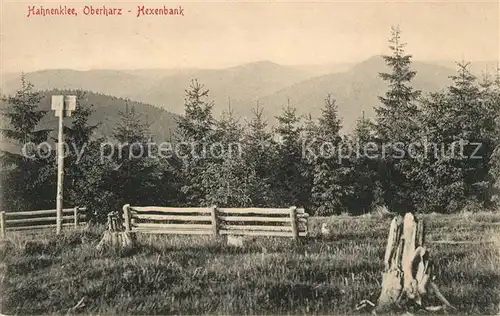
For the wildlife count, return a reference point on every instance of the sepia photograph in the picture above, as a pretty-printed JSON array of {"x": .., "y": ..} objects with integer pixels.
[{"x": 249, "y": 157}]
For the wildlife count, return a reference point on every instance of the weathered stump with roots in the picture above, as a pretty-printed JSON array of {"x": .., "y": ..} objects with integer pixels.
[
  {"x": 407, "y": 280},
  {"x": 115, "y": 237}
]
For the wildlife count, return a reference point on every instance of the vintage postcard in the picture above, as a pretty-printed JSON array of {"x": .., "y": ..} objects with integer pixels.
[{"x": 249, "y": 157}]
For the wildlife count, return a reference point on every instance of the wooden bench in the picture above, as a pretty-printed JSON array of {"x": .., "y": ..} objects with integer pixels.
[
  {"x": 283, "y": 222},
  {"x": 40, "y": 219}
]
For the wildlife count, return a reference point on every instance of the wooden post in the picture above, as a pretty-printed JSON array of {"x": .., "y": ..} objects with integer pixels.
[
  {"x": 294, "y": 220},
  {"x": 113, "y": 222},
  {"x": 127, "y": 215},
  {"x": 215, "y": 221},
  {"x": 63, "y": 105},
  {"x": 60, "y": 171},
  {"x": 2, "y": 224},
  {"x": 75, "y": 216}
]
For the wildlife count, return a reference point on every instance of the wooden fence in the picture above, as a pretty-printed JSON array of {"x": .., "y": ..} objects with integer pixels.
[
  {"x": 41, "y": 219},
  {"x": 284, "y": 222}
]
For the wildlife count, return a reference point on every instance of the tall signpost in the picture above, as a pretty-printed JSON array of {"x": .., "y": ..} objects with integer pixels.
[{"x": 62, "y": 105}]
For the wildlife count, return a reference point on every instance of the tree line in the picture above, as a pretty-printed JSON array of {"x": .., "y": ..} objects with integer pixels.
[{"x": 305, "y": 162}]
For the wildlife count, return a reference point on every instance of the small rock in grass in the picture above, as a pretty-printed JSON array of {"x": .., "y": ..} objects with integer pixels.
[{"x": 235, "y": 241}]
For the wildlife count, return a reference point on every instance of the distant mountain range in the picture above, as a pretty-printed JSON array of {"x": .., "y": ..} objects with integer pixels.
[
  {"x": 355, "y": 90},
  {"x": 161, "y": 123},
  {"x": 356, "y": 87}
]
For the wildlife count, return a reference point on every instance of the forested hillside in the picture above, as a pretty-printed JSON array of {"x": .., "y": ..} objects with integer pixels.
[
  {"x": 427, "y": 151},
  {"x": 105, "y": 109},
  {"x": 355, "y": 86}
]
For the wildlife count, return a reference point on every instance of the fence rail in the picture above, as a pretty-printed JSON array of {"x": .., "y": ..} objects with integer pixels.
[
  {"x": 283, "y": 222},
  {"x": 34, "y": 220}
]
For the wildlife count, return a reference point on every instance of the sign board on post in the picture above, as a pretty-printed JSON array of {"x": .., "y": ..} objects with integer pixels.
[
  {"x": 57, "y": 102},
  {"x": 69, "y": 104},
  {"x": 66, "y": 102}
]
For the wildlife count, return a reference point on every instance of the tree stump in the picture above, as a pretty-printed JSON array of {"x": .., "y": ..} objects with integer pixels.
[
  {"x": 115, "y": 237},
  {"x": 407, "y": 280}
]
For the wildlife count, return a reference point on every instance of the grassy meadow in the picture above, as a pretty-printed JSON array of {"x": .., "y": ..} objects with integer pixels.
[{"x": 166, "y": 274}]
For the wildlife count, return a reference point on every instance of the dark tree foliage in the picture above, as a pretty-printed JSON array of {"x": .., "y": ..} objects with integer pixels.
[
  {"x": 26, "y": 182},
  {"x": 491, "y": 92},
  {"x": 196, "y": 132},
  {"x": 197, "y": 123},
  {"x": 364, "y": 177},
  {"x": 331, "y": 166},
  {"x": 136, "y": 174},
  {"x": 259, "y": 153},
  {"x": 85, "y": 170},
  {"x": 453, "y": 163},
  {"x": 397, "y": 127},
  {"x": 227, "y": 180},
  {"x": 460, "y": 123},
  {"x": 290, "y": 182}
]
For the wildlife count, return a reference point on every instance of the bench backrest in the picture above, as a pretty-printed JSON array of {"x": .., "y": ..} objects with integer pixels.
[
  {"x": 40, "y": 219},
  {"x": 284, "y": 222}
]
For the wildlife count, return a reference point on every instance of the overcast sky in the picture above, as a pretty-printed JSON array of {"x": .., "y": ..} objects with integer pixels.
[{"x": 219, "y": 34}]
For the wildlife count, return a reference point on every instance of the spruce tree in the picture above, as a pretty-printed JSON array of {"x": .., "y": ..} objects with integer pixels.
[
  {"x": 397, "y": 117},
  {"x": 225, "y": 176},
  {"x": 259, "y": 153},
  {"x": 331, "y": 167},
  {"x": 26, "y": 184},
  {"x": 329, "y": 123},
  {"x": 196, "y": 132},
  {"x": 479, "y": 111},
  {"x": 135, "y": 165},
  {"x": 461, "y": 123},
  {"x": 197, "y": 123},
  {"x": 364, "y": 177},
  {"x": 397, "y": 127},
  {"x": 290, "y": 183}
]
